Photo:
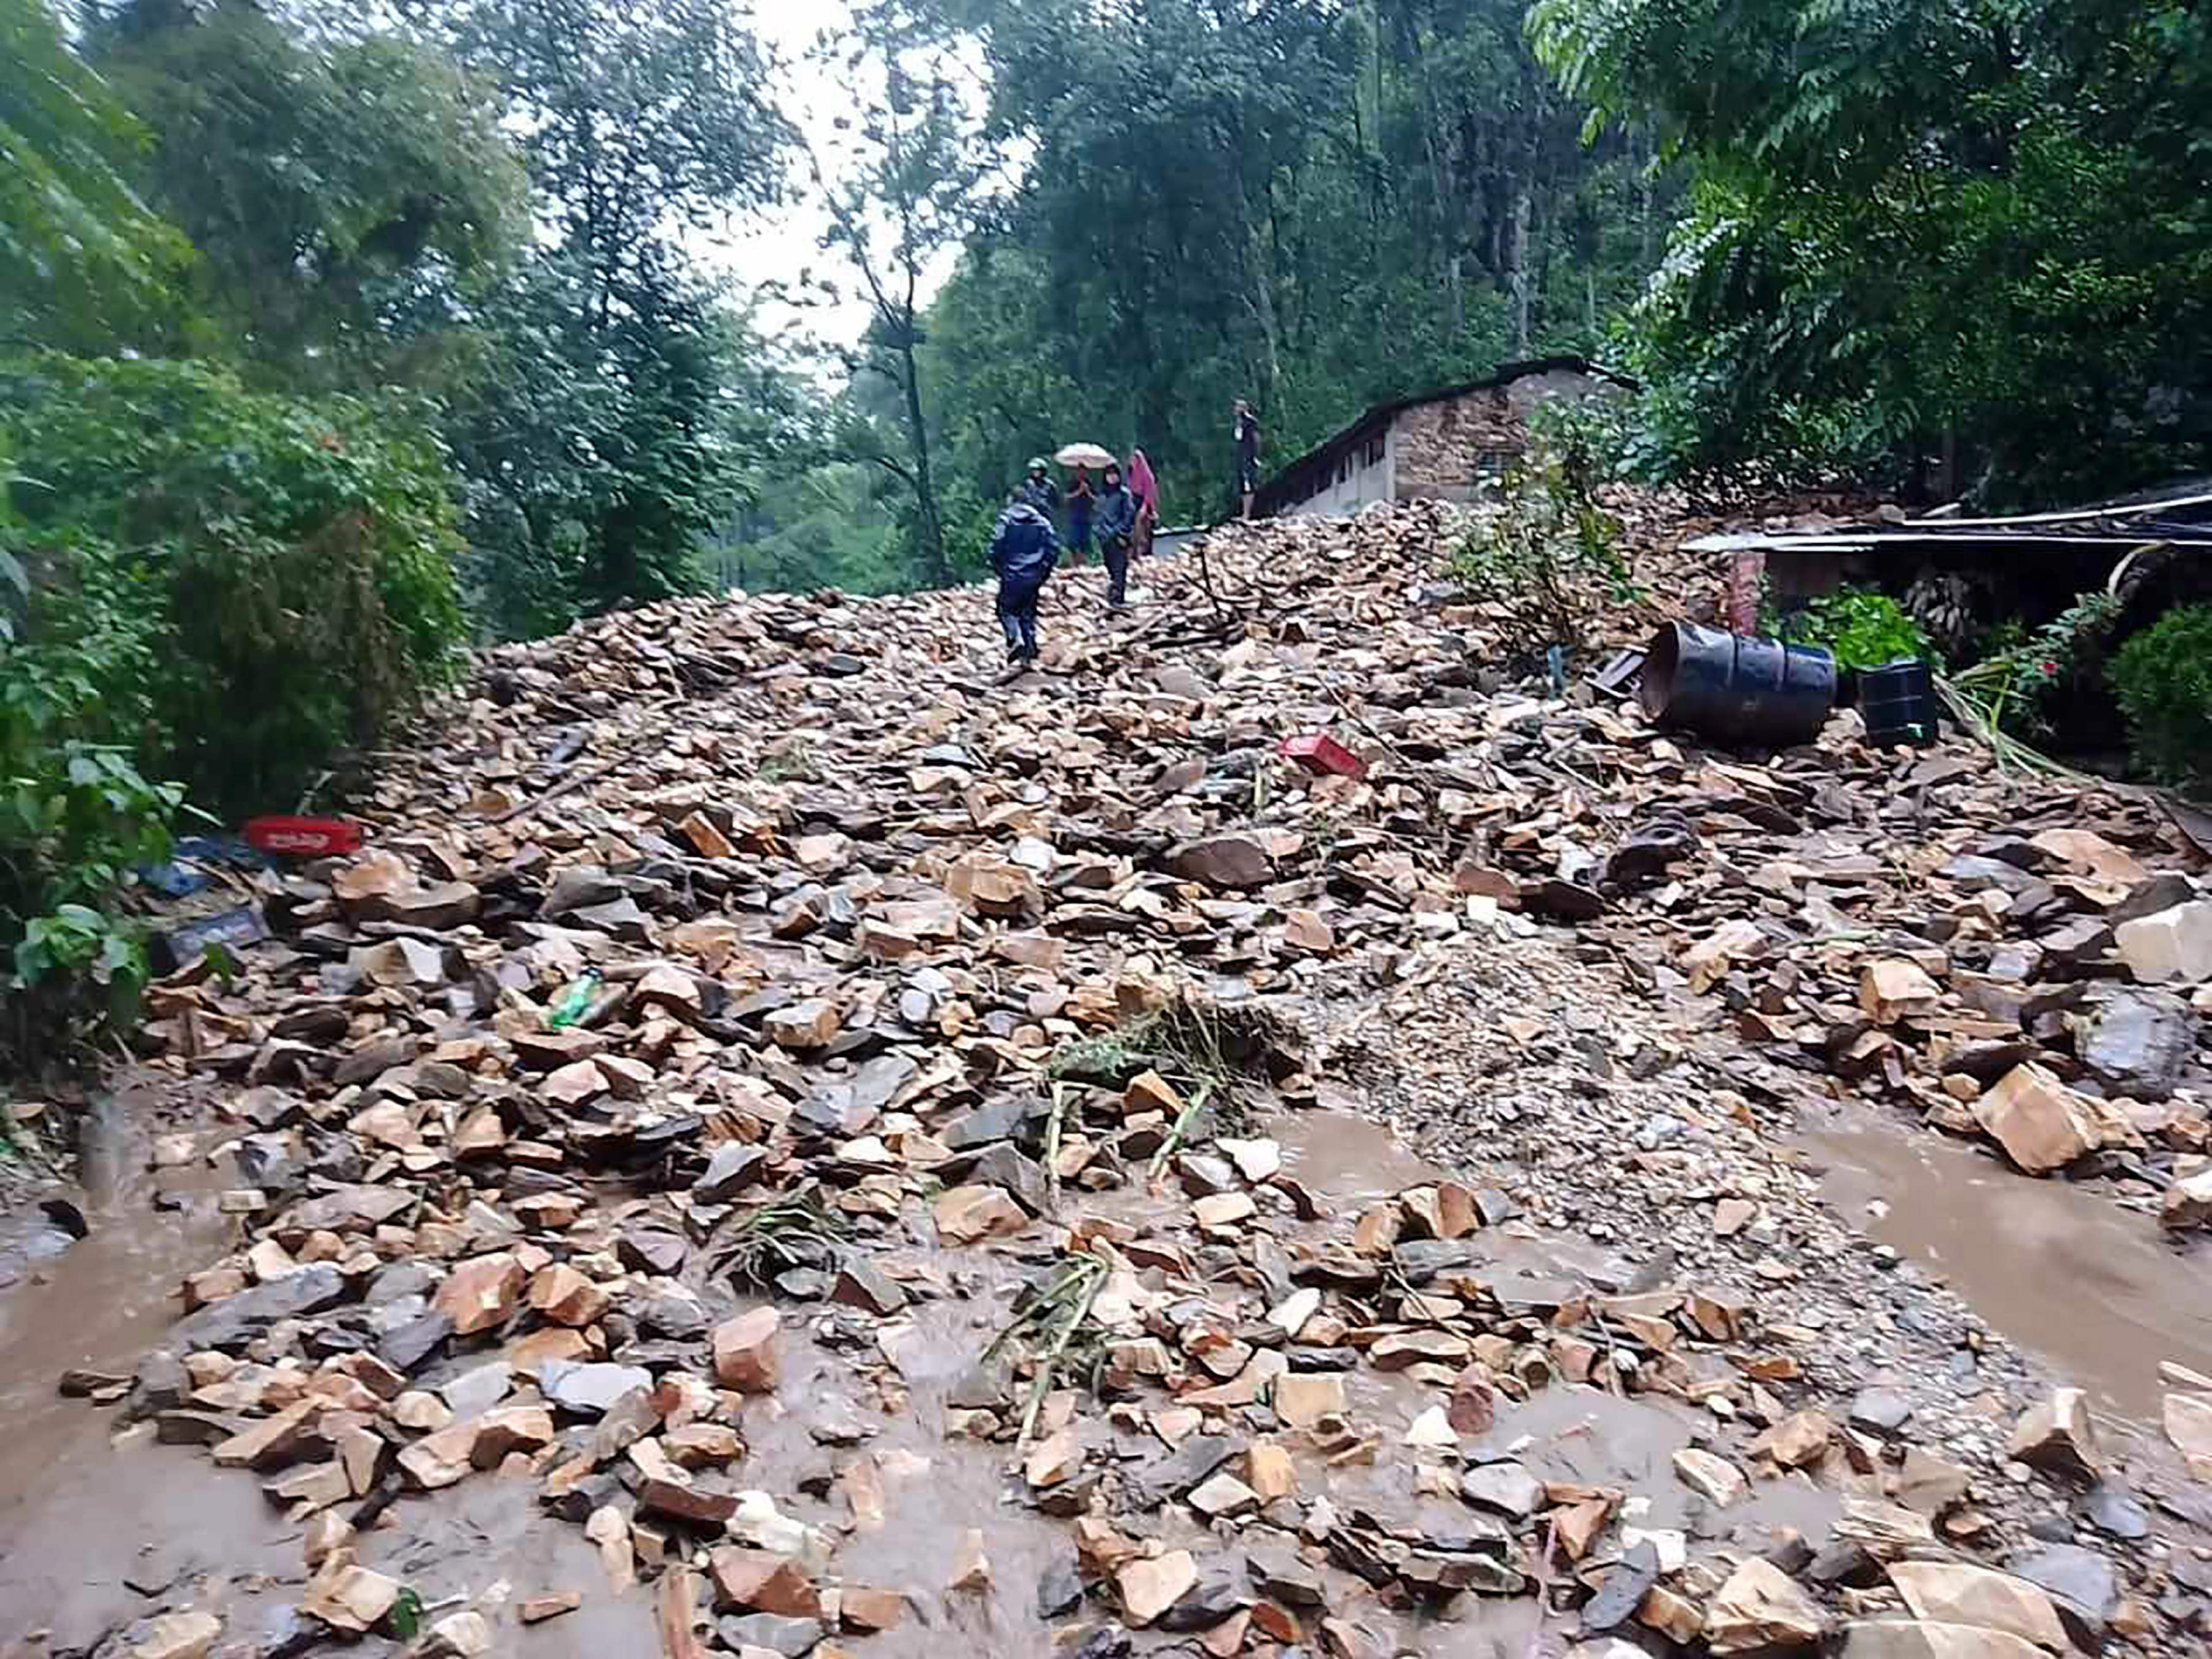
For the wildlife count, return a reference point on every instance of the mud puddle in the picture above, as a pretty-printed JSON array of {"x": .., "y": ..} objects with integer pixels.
[{"x": 2057, "y": 1269}]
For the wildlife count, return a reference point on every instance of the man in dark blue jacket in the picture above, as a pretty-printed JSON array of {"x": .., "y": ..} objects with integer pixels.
[
  {"x": 1024, "y": 550},
  {"x": 1117, "y": 522}
]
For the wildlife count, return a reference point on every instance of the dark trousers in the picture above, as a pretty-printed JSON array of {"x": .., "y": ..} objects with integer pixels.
[
  {"x": 1116, "y": 550},
  {"x": 1079, "y": 535},
  {"x": 1018, "y": 615}
]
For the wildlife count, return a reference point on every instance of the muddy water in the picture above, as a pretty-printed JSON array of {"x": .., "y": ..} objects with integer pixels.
[
  {"x": 78, "y": 1516},
  {"x": 2058, "y": 1269},
  {"x": 1335, "y": 1153}
]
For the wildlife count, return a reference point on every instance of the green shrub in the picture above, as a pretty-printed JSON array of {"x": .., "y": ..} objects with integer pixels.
[
  {"x": 76, "y": 817},
  {"x": 286, "y": 565},
  {"x": 2164, "y": 679},
  {"x": 1860, "y": 627},
  {"x": 2024, "y": 671},
  {"x": 1549, "y": 563}
]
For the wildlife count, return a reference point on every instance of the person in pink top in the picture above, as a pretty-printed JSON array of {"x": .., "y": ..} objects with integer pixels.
[{"x": 1146, "y": 488}]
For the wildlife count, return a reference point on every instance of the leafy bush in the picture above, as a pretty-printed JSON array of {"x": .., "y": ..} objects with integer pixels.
[
  {"x": 276, "y": 575},
  {"x": 2010, "y": 687},
  {"x": 2164, "y": 679},
  {"x": 1547, "y": 562},
  {"x": 1860, "y": 628},
  {"x": 77, "y": 817}
]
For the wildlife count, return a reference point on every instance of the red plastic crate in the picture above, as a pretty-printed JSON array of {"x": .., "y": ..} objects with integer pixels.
[
  {"x": 1319, "y": 752},
  {"x": 310, "y": 838}
]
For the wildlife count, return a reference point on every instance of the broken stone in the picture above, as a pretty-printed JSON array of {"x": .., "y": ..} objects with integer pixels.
[
  {"x": 2170, "y": 945},
  {"x": 1509, "y": 1488},
  {"x": 1759, "y": 1608},
  {"x": 536, "y": 1609},
  {"x": 1222, "y": 862},
  {"x": 178, "y": 1636},
  {"x": 349, "y": 1597},
  {"x": 969, "y": 1215},
  {"x": 2057, "y": 1435},
  {"x": 1714, "y": 1478},
  {"x": 1303, "y": 1400},
  {"x": 2041, "y": 1123},
  {"x": 1149, "y": 1586},
  {"x": 810, "y": 1023},
  {"x": 745, "y": 1351},
  {"x": 1895, "y": 988},
  {"x": 757, "y": 1581},
  {"x": 1959, "y": 1593},
  {"x": 481, "y": 1293}
]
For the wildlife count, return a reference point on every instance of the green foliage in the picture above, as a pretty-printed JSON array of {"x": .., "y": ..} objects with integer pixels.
[
  {"x": 77, "y": 817},
  {"x": 324, "y": 180},
  {"x": 2164, "y": 679},
  {"x": 1312, "y": 206},
  {"x": 2010, "y": 686},
  {"x": 82, "y": 262},
  {"x": 270, "y": 580},
  {"x": 597, "y": 460},
  {"x": 1983, "y": 220},
  {"x": 1860, "y": 628},
  {"x": 1547, "y": 560},
  {"x": 903, "y": 183},
  {"x": 601, "y": 426}
]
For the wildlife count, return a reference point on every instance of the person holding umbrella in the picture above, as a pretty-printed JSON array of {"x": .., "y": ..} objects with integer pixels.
[{"x": 1081, "y": 499}]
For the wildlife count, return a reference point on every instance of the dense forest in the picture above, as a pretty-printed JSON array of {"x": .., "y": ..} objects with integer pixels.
[{"x": 337, "y": 337}]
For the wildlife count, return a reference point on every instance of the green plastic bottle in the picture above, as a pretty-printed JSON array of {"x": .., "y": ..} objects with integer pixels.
[{"x": 576, "y": 1002}]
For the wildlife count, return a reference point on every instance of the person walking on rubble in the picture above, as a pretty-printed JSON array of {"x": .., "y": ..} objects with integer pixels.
[
  {"x": 1117, "y": 523},
  {"x": 1023, "y": 549}
]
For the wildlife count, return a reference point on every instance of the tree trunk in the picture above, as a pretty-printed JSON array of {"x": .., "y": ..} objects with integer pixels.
[
  {"x": 1517, "y": 265},
  {"x": 1443, "y": 185},
  {"x": 928, "y": 528},
  {"x": 1649, "y": 252},
  {"x": 1258, "y": 282}
]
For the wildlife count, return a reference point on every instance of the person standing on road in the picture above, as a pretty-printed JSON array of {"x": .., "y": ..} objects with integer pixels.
[
  {"x": 1117, "y": 524},
  {"x": 1248, "y": 455},
  {"x": 1080, "y": 500},
  {"x": 1024, "y": 550}
]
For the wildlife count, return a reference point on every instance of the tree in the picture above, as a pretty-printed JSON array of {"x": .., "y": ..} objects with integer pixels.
[
  {"x": 83, "y": 261},
  {"x": 1315, "y": 206},
  {"x": 641, "y": 122},
  {"x": 1976, "y": 228},
  {"x": 590, "y": 424},
  {"x": 901, "y": 184},
  {"x": 326, "y": 180}
]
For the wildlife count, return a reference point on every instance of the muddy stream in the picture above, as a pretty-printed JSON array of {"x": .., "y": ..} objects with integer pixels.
[{"x": 2093, "y": 1290}]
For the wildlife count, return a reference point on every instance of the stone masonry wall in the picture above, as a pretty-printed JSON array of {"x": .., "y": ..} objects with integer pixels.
[{"x": 1444, "y": 449}]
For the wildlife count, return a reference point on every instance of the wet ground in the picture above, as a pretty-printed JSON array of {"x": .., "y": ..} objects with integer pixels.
[
  {"x": 2096, "y": 1292},
  {"x": 94, "y": 1530}
]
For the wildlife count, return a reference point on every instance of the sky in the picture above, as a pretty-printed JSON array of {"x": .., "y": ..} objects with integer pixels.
[{"x": 788, "y": 239}]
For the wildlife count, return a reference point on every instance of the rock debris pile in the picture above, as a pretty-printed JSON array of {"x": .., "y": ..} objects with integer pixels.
[{"x": 772, "y": 1085}]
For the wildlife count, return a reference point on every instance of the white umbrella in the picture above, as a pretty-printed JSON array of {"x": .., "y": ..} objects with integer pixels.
[{"x": 1084, "y": 455}]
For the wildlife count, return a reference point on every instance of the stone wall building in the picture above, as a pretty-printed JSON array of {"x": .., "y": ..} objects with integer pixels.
[{"x": 1442, "y": 445}]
